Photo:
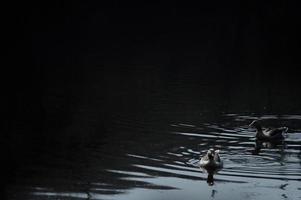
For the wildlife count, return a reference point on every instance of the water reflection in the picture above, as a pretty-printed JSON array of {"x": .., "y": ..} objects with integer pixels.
[
  {"x": 213, "y": 193},
  {"x": 259, "y": 144},
  {"x": 210, "y": 175}
]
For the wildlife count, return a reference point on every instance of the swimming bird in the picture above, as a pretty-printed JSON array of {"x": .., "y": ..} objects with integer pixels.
[
  {"x": 211, "y": 160},
  {"x": 271, "y": 134}
]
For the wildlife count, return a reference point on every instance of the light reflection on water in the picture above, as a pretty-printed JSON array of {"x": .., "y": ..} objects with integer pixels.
[{"x": 163, "y": 164}]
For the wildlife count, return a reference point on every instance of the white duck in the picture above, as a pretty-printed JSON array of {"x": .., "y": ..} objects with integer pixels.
[{"x": 211, "y": 160}]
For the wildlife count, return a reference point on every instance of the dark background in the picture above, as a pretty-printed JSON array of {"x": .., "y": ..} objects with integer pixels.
[{"x": 63, "y": 55}]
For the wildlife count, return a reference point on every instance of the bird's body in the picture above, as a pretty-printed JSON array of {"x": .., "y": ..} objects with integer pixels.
[
  {"x": 211, "y": 160},
  {"x": 272, "y": 134}
]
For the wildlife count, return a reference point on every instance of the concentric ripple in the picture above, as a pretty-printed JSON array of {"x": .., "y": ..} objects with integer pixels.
[{"x": 164, "y": 159}]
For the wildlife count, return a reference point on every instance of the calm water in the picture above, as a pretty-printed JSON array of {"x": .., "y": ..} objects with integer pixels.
[{"x": 150, "y": 150}]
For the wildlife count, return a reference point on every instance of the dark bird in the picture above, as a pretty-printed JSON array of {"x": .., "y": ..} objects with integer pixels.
[{"x": 271, "y": 134}]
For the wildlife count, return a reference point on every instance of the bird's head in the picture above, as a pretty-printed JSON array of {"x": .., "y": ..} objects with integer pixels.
[{"x": 255, "y": 124}]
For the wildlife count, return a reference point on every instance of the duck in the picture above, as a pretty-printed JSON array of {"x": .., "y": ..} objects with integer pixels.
[
  {"x": 211, "y": 160},
  {"x": 270, "y": 134}
]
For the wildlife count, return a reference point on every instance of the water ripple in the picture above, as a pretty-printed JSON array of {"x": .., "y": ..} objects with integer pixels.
[{"x": 168, "y": 159}]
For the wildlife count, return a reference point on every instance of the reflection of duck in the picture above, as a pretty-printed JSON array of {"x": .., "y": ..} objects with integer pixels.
[
  {"x": 268, "y": 133},
  {"x": 211, "y": 160},
  {"x": 259, "y": 144},
  {"x": 210, "y": 179}
]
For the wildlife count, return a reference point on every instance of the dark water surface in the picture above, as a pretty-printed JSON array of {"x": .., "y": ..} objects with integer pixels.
[
  {"x": 119, "y": 101},
  {"x": 143, "y": 140}
]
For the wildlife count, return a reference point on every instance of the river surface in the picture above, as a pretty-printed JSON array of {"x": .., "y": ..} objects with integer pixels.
[{"x": 150, "y": 149}]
